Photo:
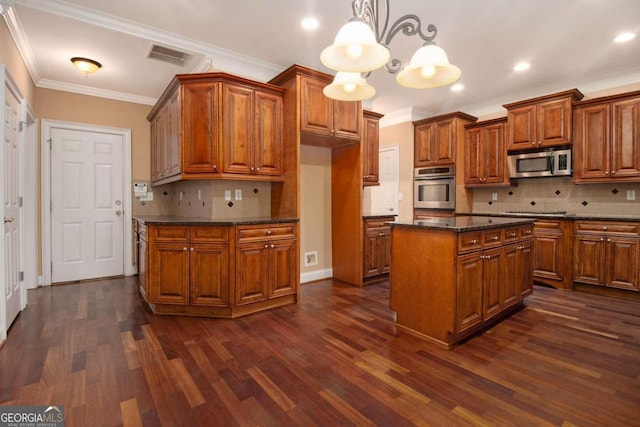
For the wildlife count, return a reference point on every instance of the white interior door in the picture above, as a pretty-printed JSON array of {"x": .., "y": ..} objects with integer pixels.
[
  {"x": 384, "y": 198},
  {"x": 87, "y": 221},
  {"x": 11, "y": 169}
]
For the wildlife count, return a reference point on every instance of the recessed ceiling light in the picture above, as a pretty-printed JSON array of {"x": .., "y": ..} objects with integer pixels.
[
  {"x": 457, "y": 87},
  {"x": 624, "y": 37},
  {"x": 310, "y": 23},
  {"x": 521, "y": 66}
]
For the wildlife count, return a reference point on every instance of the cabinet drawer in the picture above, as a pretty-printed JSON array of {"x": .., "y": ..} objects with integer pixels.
[
  {"x": 375, "y": 223},
  {"x": 492, "y": 238},
  {"x": 469, "y": 241},
  {"x": 260, "y": 232},
  {"x": 204, "y": 234},
  {"x": 626, "y": 228},
  {"x": 526, "y": 231},
  {"x": 168, "y": 233},
  {"x": 511, "y": 234}
]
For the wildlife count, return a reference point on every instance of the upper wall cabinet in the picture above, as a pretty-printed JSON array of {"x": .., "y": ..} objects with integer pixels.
[
  {"x": 370, "y": 148},
  {"x": 541, "y": 122},
  {"x": 435, "y": 139},
  {"x": 323, "y": 121},
  {"x": 606, "y": 144},
  {"x": 485, "y": 163},
  {"x": 215, "y": 125}
]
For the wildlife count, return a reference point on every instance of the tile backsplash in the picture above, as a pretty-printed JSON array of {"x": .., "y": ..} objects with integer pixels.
[
  {"x": 206, "y": 199},
  {"x": 558, "y": 194}
]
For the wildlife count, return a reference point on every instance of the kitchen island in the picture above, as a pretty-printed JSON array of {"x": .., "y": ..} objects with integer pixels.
[
  {"x": 217, "y": 268},
  {"x": 452, "y": 277}
]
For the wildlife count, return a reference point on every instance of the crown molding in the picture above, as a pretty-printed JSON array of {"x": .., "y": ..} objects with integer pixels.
[
  {"x": 408, "y": 114},
  {"x": 20, "y": 39},
  {"x": 101, "y": 93}
]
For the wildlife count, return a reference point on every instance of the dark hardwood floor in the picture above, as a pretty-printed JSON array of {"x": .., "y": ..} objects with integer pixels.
[{"x": 567, "y": 359}]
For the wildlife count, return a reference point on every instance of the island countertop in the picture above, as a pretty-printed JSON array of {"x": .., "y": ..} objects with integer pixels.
[
  {"x": 463, "y": 223},
  {"x": 188, "y": 220}
]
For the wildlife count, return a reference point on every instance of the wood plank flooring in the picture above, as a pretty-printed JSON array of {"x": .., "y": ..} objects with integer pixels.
[{"x": 567, "y": 359}]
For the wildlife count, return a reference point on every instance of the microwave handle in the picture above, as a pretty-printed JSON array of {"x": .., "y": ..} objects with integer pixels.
[{"x": 551, "y": 163}]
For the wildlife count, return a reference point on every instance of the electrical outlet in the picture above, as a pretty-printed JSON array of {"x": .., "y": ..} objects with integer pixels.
[
  {"x": 181, "y": 195},
  {"x": 400, "y": 197},
  {"x": 238, "y": 194},
  {"x": 494, "y": 196},
  {"x": 227, "y": 195},
  {"x": 199, "y": 195},
  {"x": 631, "y": 194}
]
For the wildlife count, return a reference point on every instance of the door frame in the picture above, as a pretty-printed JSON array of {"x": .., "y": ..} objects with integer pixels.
[
  {"x": 47, "y": 126},
  {"x": 29, "y": 193}
]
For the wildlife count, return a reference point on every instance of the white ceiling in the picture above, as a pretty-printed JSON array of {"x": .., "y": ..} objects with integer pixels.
[{"x": 569, "y": 43}]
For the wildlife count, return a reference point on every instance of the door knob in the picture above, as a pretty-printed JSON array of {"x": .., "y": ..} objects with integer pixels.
[
  {"x": 6, "y": 220},
  {"x": 118, "y": 213}
]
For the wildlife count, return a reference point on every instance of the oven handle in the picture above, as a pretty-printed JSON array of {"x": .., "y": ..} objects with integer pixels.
[{"x": 432, "y": 178}]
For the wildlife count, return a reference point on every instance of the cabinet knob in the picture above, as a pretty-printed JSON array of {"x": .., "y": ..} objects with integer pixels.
[
  {"x": 269, "y": 231},
  {"x": 602, "y": 239},
  {"x": 266, "y": 246},
  {"x": 512, "y": 235},
  {"x": 257, "y": 169},
  {"x": 494, "y": 238},
  {"x": 605, "y": 228},
  {"x": 474, "y": 241},
  {"x": 273, "y": 246},
  {"x": 252, "y": 168},
  {"x": 192, "y": 249},
  {"x": 184, "y": 249},
  {"x": 613, "y": 172}
]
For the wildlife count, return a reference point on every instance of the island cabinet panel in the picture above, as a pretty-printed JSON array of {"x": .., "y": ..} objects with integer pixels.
[
  {"x": 448, "y": 283},
  {"x": 553, "y": 252},
  {"x": 541, "y": 122},
  {"x": 377, "y": 248},
  {"x": 219, "y": 271},
  {"x": 607, "y": 139},
  {"x": 217, "y": 126}
]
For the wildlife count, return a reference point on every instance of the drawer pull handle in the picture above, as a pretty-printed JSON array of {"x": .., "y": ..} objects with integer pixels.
[
  {"x": 512, "y": 235},
  {"x": 474, "y": 241},
  {"x": 605, "y": 228},
  {"x": 269, "y": 231},
  {"x": 495, "y": 238}
]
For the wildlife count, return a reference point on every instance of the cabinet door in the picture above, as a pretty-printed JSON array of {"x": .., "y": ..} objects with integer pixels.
[
  {"x": 169, "y": 273},
  {"x": 347, "y": 119},
  {"x": 525, "y": 268},
  {"x": 473, "y": 170},
  {"x": 316, "y": 110},
  {"x": 521, "y": 124},
  {"x": 549, "y": 253},
  {"x": 370, "y": 258},
  {"x": 554, "y": 123},
  {"x": 370, "y": 151},
  {"x": 269, "y": 142},
  {"x": 423, "y": 142},
  {"x": 622, "y": 263},
  {"x": 200, "y": 128},
  {"x": 469, "y": 292},
  {"x": 282, "y": 266},
  {"x": 252, "y": 272},
  {"x": 591, "y": 143},
  {"x": 493, "y": 154},
  {"x": 625, "y": 139},
  {"x": 209, "y": 282},
  {"x": 589, "y": 256},
  {"x": 444, "y": 149},
  {"x": 493, "y": 293},
  {"x": 385, "y": 250},
  {"x": 237, "y": 129},
  {"x": 173, "y": 150},
  {"x": 156, "y": 149},
  {"x": 511, "y": 275}
]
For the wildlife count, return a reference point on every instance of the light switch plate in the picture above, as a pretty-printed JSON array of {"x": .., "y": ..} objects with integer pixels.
[
  {"x": 227, "y": 195},
  {"x": 494, "y": 196},
  {"x": 631, "y": 194},
  {"x": 238, "y": 194}
]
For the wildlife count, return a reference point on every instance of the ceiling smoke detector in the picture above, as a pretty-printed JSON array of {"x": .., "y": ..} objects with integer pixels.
[{"x": 166, "y": 54}]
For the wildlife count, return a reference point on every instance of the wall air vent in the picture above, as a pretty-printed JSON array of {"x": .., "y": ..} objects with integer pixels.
[{"x": 166, "y": 54}]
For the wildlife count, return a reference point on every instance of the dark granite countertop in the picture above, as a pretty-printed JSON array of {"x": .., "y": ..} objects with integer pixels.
[
  {"x": 188, "y": 220},
  {"x": 377, "y": 216},
  {"x": 540, "y": 215},
  {"x": 463, "y": 223}
]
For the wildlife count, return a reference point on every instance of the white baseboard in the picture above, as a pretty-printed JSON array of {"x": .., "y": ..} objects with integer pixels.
[{"x": 316, "y": 275}]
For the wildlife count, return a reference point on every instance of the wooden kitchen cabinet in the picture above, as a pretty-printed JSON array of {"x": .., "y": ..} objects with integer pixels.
[
  {"x": 607, "y": 254},
  {"x": 215, "y": 125},
  {"x": 447, "y": 283},
  {"x": 201, "y": 270},
  {"x": 377, "y": 248},
  {"x": 541, "y": 122},
  {"x": 485, "y": 154},
  {"x": 435, "y": 139},
  {"x": 265, "y": 262},
  {"x": 607, "y": 139},
  {"x": 370, "y": 148},
  {"x": 553, "y": 252}
]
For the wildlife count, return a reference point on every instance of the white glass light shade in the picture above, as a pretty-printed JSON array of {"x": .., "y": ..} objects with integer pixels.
[
  {"x": 349, "y": 87},
  {"x": 429, "y": 67},
  {"x": 355, "y": 49}
]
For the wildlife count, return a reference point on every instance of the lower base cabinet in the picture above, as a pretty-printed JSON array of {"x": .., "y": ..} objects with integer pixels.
[
  {"x": 377, "y": 249},
  {"x": 219, "y": 271},
  {"x": 553, "y": 243}
]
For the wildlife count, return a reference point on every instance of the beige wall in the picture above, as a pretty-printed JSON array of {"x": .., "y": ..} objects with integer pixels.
[
  {"x": 315, "y": 215},
  {"x": 10, "y": 58}
]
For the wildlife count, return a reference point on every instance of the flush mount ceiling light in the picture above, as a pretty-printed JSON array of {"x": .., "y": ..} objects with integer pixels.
[
  {"x": 86, "y": 65},
  {"x": 362, "y": 45}
]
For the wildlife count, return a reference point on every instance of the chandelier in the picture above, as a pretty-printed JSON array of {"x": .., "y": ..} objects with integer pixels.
[{"x": 362, "y": 45}]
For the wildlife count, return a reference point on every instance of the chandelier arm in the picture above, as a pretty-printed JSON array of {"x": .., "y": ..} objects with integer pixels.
[{"x": 410, "y": 25}]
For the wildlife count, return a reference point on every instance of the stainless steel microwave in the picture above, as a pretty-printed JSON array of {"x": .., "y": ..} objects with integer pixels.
[
  {"x": 434, "y": 188},
  {"x": 540, "y": 164}
]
